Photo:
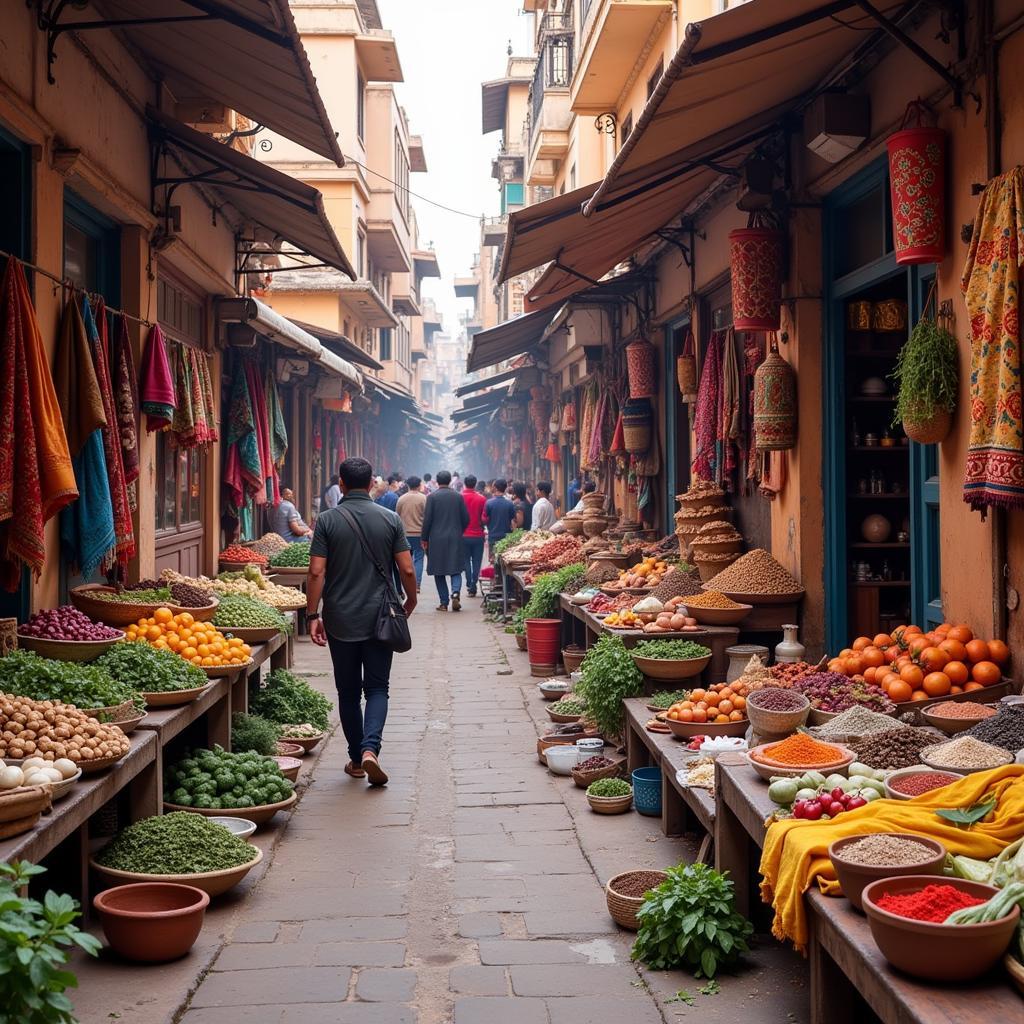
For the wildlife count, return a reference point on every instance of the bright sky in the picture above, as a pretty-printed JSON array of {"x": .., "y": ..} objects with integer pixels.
[{"x": 447, "y": 48}]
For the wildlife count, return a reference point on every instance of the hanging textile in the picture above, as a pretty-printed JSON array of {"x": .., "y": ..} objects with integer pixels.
[
  {"x": 278, "y": 432},
  {"x": 705, "y": 459},
  {"x": 126, "y": 402},
  {"x": 124, "y": 533},
  {"x": 36, "y": 475},
  {"x": 193, "y": 424},
  {"x": 587, "y": 427},
  {"x": 243, "y": 471},
  {"x": 157, "y": 383},
  {"x": 729, "y": 408},
  {"x": 647, "y": 467},
  {"x": 207, "y": 433},
  {"x": 990, "y": 283},
  {"x": 86, "y": 527},
  {"x": 269, "y": 486},
  {"x": 594, "y": 444}
]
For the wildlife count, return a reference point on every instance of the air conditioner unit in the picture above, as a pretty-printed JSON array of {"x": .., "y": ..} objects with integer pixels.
[{"x": 288, "y": 368}]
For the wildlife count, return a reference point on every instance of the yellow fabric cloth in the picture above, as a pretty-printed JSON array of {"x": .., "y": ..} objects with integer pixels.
[{"x": 795, "y": 852}]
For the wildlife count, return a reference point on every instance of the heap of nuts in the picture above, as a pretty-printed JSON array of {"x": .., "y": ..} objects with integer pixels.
[
  {"x": 53, "y": 730},
  {"x": 755, "y": 573}
]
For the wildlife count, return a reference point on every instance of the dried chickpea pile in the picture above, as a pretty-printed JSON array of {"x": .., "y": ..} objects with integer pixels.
[
  {"x": 52, "y": 730},
  {"x": 755, "y": 573},
  {"x": 712, "y": 599},
  {"x": 263, "y": 590}
]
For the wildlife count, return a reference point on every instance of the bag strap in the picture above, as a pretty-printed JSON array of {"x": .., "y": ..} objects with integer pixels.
[{"x": 354, "y": 522}]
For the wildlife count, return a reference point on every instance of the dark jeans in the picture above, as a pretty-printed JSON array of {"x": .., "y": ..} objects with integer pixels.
[
  {"x": 474, "y": 549},
  {"x": 361, "y": 667},
  {"x": 442, "y": 586},
  {"x": 416, "y": 548}
]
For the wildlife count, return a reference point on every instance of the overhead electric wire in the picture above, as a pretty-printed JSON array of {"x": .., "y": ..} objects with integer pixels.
[{"x": 415, "y": 195}]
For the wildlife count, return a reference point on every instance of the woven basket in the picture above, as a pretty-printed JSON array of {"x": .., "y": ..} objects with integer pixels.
[
  {"x": 716, "y": 547},
  {"x": 776, "y": 723},
  {"x": 930, "y": 431},
  {"x": 572, "y": 659},
  {"x": 584, "y": 779},
  {"x": 623, "y": 908},
  {"x": 640, "y": 369},
  {"x": 686, "y": 375},
  {"x": 610, "y": 804},
  {"x": 637, "y": 437},
  {"x": 114, "y": 714}
]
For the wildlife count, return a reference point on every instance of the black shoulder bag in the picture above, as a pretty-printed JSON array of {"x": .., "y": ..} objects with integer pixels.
[{"x": 392, "y": 629}]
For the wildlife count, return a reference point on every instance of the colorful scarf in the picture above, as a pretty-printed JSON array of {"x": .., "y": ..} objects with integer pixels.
[
  {"x": 705, "y": 461},
  {"x": 205, "y": 430},
  {"x": 729, "y": 407},
  {"x": 124, "y": 532},
  {"x": 268, "y": 480},
  {"x": 990, "y": 283},
  {"x": 36, "y": 475},
  {"x": 86, "y": 527},
  {"x": 243, "y": 472},
  {"x": 157, "y": 385},
  {"x": 126, "y": 403},
  {"x": 278, "y": 431}
]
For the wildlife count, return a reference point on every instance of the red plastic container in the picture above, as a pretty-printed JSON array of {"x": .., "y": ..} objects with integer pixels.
[
  {"x": 755, "y": 263},
  {"x": 543, "y": 640},
  {"x": 917, "y": 176}
]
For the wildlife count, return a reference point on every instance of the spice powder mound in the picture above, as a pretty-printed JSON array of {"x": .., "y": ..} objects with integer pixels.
[
  {"x": 799, "y": 749},
  {"x": 934, "y": 903}
]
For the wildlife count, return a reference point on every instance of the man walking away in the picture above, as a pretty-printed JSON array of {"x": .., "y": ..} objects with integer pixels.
[
  {"x": 524, "y": 510},
  {"x": 543, "y": 511},
  {"x": 444, "y": 522},
  {"x": 499, "y": 514},
  {"x": 410, "y": 509},
  {"x": 473, "y": 538},
  {"x": 352, "y": 593},
  {"x": 389, "y": 499},
  {"x": 287, "y": 521}
]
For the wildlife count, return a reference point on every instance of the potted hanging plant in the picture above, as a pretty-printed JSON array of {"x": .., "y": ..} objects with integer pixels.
[{"x": 926, "y": 375}]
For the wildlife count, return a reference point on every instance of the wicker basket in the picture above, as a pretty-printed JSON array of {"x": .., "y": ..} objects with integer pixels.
[
  {"x": 929, "y": 431},
  {"x": 115, "y": 613},
  {"x": 610, "y": 804},
  {"x": 637, "y": 437},
  {"x": 584, "y": 779},
  {"x": 572, "y": 660},
  {"x": 709, "y": 570},
  {"x": 69, "y": 650},
  {"x": 776, "y": 723},
  {"x": 111, "y": 715},
  {"x": 623, "y": 908},
  {"x": 1015, "y": 969}
]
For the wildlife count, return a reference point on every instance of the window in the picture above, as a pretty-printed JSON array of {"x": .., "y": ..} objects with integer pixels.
[
  {"x": 92, "y": 249},
  {"x": 511, "y": 196},
  {"x": 626, "y": 130},
  {"x": 360, "y": 106},
  {"x": 572, "y": 177},
  {"x": 361, "y": 251},
  {"x": 401, "y": 175},
  {"x": 652, "y": 82},
  {"x": 385, "y": 344}
]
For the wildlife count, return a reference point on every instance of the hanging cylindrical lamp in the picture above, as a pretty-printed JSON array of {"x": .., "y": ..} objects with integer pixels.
[
  {"x": 775, "y": 405},
  {"x": 755, "y": 264},
  {"x": 917, "y": 182},
  {"x": 640, "y": 368}
]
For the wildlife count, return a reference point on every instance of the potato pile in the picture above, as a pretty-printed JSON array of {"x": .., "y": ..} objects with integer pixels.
[
  {"x": 53, "y": 730},
  {"x": 647, "y": 573}
]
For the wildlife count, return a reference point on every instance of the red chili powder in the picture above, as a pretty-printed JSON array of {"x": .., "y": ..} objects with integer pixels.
[
  {"x": 922, "y": 782},
  {"x": 934, "y": 903}
]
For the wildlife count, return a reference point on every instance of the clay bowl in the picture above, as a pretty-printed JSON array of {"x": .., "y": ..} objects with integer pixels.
[
  {"x": 152, "y": 922},
  {"x": 894, "y": 794},
  {"x": 950, "y": 726},
  {"x": 854, "y": 877},
  {"x": 216, "y": 671},
  {"x": 288, "y": 749},
  {"x": 573, "y": 526},
  {"x": 305, "y": 743},
  {"x": 757, "y": 599},
  {"x": 130, "y": 724},
  {"x": 68, "y": 650},
  {"x": 213, "y": 883},
  {"x": 172, "y": 698},
  {"x": 687, "y": 730},
  {"x": 937, "y": 952},
  {"x": 719, "y": 616},
  {"x": 928, "y": 757},
  {"x": 671, "y": 669},
  {"x": 261, "y": 814},
  {"x": 768, "y": 769},
  {"x": 289, "y": 766}
]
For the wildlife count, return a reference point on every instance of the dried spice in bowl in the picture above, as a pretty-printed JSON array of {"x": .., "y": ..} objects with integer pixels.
[
  {"x": 887, "y": 851},
  {"x": 895, "y": 748},
  {"x": 934, "y": 903},
  {"x": 800, "y": 749}
]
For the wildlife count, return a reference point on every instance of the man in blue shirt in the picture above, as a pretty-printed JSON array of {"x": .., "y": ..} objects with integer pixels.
[
  {"x": 389, "y": 499},
  {"x": 499, "y": 515}
]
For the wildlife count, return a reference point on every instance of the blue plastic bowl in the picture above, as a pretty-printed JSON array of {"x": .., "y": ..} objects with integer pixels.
[{"x": 647, "y": 791}]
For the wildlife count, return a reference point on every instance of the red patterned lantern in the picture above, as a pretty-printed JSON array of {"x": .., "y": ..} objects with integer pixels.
[
  {"x": 917, "y": 176},
  {"x": 640, "y": 363},
  {"x": 755, "y": 262},
  {"x": 775, "y": 408}
]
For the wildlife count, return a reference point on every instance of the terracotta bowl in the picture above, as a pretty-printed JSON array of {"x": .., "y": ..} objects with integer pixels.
[
  {"x": 288, "y": 749},
  {"x": 152, "y": 922},
  {"x": 768, "y": 769},
  {"x": 895, "y": 794},
  {"x": 687, "y": 730},
  {"x": 214, "y": 883},
  {"x": 937, "y": 952},
  {"x": 289, "y": 766},
  {"x": 305, "y": 743},
  {"x": 671, "y": 669},
  {"x": 854, "y": 877}
]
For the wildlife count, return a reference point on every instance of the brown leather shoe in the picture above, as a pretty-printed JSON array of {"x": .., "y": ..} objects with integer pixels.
[
  {"x": 354, "y": 770},
  {"x": 374, "y": 773}
]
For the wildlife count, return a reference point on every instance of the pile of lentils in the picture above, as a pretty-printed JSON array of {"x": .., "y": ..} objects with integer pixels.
[
  {"x": 966, "y": 752},
  {"x": 755, "y": 573},
  {"x": 638, "y": 883},
  {"x": 895, "y": 748},
  {"x": 1006, "y": 729},
  {"x": 856, "y": 721},
  {"x": 887, "y": 850},
  {"x": 773, "y": 698},
  {"x": 680, "y": 582}
]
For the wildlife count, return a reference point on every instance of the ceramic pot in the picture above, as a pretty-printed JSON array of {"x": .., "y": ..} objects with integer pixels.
[
  {"x": 152, "y": 922},
  {"x": 790, "y": 649},
  {"x": 739, "y": 655},
  {"x": 876, "y": 529}
]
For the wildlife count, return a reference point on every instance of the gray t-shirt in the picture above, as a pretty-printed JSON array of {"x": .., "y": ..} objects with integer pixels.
[{"x": 353, "y": 589}]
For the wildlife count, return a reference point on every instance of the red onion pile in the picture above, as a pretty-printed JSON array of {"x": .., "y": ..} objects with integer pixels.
[{"x": 66, "y": 623}]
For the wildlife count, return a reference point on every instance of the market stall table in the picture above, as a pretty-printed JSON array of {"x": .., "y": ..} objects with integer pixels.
[{"x": 214, "y": 706}]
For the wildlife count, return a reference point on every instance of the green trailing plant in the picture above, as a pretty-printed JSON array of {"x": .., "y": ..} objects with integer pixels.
[
  {"x": 609, "y": 676},
  {"x": 510, "y": 540},
  {"x": 289, "y": 700},
  {"x": 252, "y": 732},
  {"x": 690, "y": 921},
  {"x": 543, "y": 603},
  {"x": 926, "y": 373},
  {"x": 35, "y": 940}
]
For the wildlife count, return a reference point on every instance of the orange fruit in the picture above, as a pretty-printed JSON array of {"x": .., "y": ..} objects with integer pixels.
[
  {"x": 937, "y": 684},
  {"x": 695, "y": 695},
  {"x": 934, "y": 659},
  {"x": 685, "y": 715},
  {"x": 957, "y": 672},
  {"x": 891, "y": 653},
  {"x": 900, "y": 691},
  {"x": 712, "y": 700},
  {"x": 977, "y": 650},
  {"x": 837, "y": 665},
  {"x": 912, "y": 676},
  {"x": 956, "y": 689},
  {"x": 154, "y": 633},
  {"x": 987, "y": 673},
  {"x": 163, "y": 615},
  {"x": 872, "y": 656},
  {"x": 735, "y": 716},
  {"x": 861, "y": 642},
  {"x": 998, "y": 652},
  {"x": 962, "y": 633},
  {"x": 919, "y": 695},
  {"x": 739, "y": 701},
  {"x": 882, "y": 640},
  {"x": 918, "y": 644},
  {"x": 870, "y": 674},
  {"x": 700, "y": 715},
  {"x": 973, "y": 686},
  {"x": 955, "y": 649},
  {"x": 725, "y": 707}
]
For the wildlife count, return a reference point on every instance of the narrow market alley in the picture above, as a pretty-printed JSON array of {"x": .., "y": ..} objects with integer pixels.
[{"x": 470, "y": 890}]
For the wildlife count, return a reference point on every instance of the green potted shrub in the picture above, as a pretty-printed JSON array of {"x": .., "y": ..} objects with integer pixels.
[{"x": 927, "y": 379}]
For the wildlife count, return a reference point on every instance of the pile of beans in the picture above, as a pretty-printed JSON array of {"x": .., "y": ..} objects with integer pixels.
[
  {"x": 1006, "y": 729},
  {"x": 856, "y": 721},
  {"x": 961, "y": 709},
  {"x": 186, "y": 595},
  {"x": 145, "y": 585},
  {"x": 896, "y": 748},
  {"x": 755, "y": 573},
  {"x": 269, "y": 544},
  {"x": 66, "y": 623},
  {"x": 772, "y": 698},
  {"x": 922, "y": 782},
  {"x": 966, "y": 752},
  {"x": 887, "y": 850},
  {"x": 594, "y": 764},
  {"x": 712, "y": 599},
  {"x": 679, "y": 582},
  {"x": 639, "y": 883},
  {"x": 242, "y": 554}
]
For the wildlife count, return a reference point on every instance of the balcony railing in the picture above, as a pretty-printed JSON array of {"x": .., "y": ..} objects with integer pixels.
[
  {"x": 554, "y": 71},
  {"x": 555, "y": 23}
]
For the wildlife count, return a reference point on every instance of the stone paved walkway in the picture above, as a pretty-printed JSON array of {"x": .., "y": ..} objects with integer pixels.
[{"x": 469, "y": 891}]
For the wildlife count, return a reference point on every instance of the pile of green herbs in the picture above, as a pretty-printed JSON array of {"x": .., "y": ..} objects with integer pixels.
[
  {"x": 217, "y": 780},
  {"x": 547, "y": 589},
  {"x": 690, "y": 921},
  {"x": 609, "y": 788},
  {"x": 288, "y": 699},
  {"x": 569, "y": 706},
  {"x": 156, "y": 595},
  {"x": 295, "y": 556},
  {"x": 926, "y": 373},
  {"x": 664, "y": 699},
  {"x": 26, "y": 674},
  {"x": 151, "y": 669},
  {"x": 238, "y": 611},
  {"x": 608, "y": 676},
  {"x": 510, "y": 540},
  {"x": 671, "y": 650},
  {"x": 179, "y": 843},
  {"x": 254, "y": 733}
]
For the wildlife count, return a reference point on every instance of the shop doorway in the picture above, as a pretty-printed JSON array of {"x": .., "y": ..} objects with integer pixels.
[{"x": 881, "y": 491}]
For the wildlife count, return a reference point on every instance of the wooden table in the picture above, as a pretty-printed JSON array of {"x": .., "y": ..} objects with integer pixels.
[
  {"x": 583, "y": 628},
  {"x": 683, "y": 808},
  {"x": 847, "y": 969}
]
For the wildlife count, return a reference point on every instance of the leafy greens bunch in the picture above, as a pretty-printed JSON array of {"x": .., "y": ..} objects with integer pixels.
[
  {"x": 510, "y": 540},
  {"x": 543, "y": 603},
  {"x": 251, "y": 732},
  {"x": 26, "y": 674},
  {"x": 609, "y": 676},
  {"x": 288, "y": 699},
  {"x": 151, "y": 669}
]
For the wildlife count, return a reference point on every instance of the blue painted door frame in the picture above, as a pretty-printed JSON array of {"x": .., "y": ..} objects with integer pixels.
[
  {"x": 673, "y": 485},
  {"x": 926, "y": 606}
]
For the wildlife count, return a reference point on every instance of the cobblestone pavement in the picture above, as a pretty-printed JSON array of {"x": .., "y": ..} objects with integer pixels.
[{"x": 469, "y": 890}]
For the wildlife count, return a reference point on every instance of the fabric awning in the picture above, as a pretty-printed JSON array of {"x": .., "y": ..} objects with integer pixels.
[
  {"x": 493, "y": 100},
  {"x": 498, "y": 378},
  {"x": 733, "y": 78},
  {"x": 512, "y": 338},
  {"x": 341, "y": 345},
  {"x": 392, "y": 393},
  {"x": 245, "y": 54},
  {"x": 468, "y": 415},
  {"x": 277, "y": 205}
]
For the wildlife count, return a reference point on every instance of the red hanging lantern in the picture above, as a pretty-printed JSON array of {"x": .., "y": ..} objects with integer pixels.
[
  {"x": 755, "y": 264},
  {"x": 552, "y": 454},
  {"x": 640, "y": 368},
  {"x": 917, "y": 177}
]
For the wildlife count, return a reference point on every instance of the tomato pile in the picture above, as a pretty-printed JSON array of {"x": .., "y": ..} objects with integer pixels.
[{"x": 911, "y": 665}]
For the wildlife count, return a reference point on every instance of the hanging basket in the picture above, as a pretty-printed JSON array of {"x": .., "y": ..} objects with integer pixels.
[
  {"x": 917, "y": 176},
  {"x": 775, "y": 407},
  {"x": 755, "y": 263},
  {"x": 568, "y": 417},
  {"x": 636, "y": 426},
  {"x": 539, "y": 412},
  {"x": 931, "y": 430},
  {"x": 686, "y": 375},
  {"x": 640, "y": 363}
]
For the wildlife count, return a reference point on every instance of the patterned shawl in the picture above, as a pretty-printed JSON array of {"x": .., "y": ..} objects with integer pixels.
[
  {"x": 243, "y": 470},
  {"x": 278, "y": 431},
  {"x": 268, "y": 481},
  {"x": 126, "y": 402},
  {"x": 157, "y": 385},
  {"x": 990, "y": 283},
  {"x": 705, "y": 457},
  {"x": 36, "y": 475}
]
